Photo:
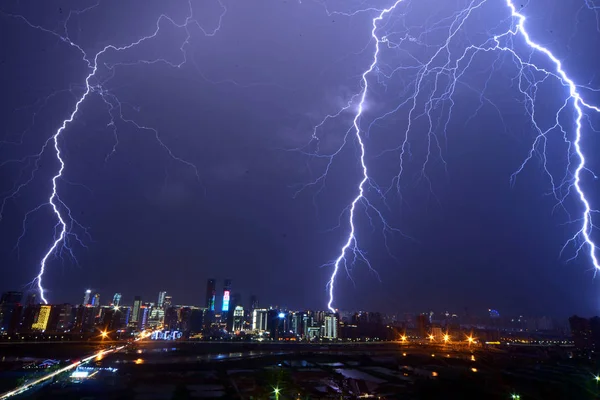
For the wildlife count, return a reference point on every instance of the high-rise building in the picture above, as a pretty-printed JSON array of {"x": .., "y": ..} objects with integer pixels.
[
  {"x": 10, "y": 311},
  {"x": 331, "y": 327},
  {"x": 226, "y": 296},
  {"x": 168, "y": 302},
  {"x": 253, "y": 302},
  {"x": 161, "y": 298},
  {"x": 135, "y": 314},
  {"x": 259, "y": 319},
  {"x": 116, "y": 299},
  {"x": 238, "y": 318},
  {"x": 31, "y": 299},
  {"x": 11, "y": 297},
  {"x": 41, "y": 322},
  {"x": 60, "y": 318},
  {"x": 211, "y": 294},
  {"x": 96, "y": 300},
  {"x": 86, "y": 297}
]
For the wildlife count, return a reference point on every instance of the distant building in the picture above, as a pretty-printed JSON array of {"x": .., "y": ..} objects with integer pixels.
[
  {"x": 143, "y": 317},
  {"x": 86, "y": 297},
  {"x": 168, "y": 301},
  {"x": 43, "y": 316},
  {"x": 253, "y": 302},
  {"x": 116, "y": 299},
  {"x": 582, "y": 332},
  {"x": 259, "y": 320},
  {"x": 96, "y": 300},
  {"x": 238, "y": 319},
  {"x": 422, "y": 323},
  {"x": 161, "y": 298},
  {"x": 60, "y": 318},
  {"x": 331, "y": 327},
  {"x": 226, "y": 300},
  {"x": 211, "y": 293},
  {"x": 196, "y": 323},
  {"x": 135, "y": 312},
  {"x": 171, "y": 321}
]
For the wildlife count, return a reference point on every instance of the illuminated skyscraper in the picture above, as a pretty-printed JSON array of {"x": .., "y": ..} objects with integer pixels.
[
  {"x": 137, "y": 304},
  {"x": 161, "y": 298},
  {"x": 238, "y": 318},
  {"x": 168, "y": 301},
  {"x": 41, "y": 322},
  {"x": 96, "y": 300},
  {"x": 259, "y": 319},
  {"x": 226, "y": 296},
  {"x": 211, "y": 294},
  {"x": 116, "y": 299},
  {"x": 331, "y": 327},
  {"x": 86, "y": 297}
]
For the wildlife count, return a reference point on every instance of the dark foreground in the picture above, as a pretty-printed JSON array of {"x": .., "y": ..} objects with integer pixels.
[{"x": 293, "y": 371}]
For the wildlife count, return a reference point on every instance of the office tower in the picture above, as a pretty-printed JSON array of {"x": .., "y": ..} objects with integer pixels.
[
  {"x": 161, "y": 298},
  {"x": 137, "y": 304},
  {"x": 226, "y": 296},
  {"x": 41, "y": 322},
  {"x": 253, "y": 302},
  {"x": 86, "y": 297},
  {"x": 116, "y": 299},
  {"x": 168, "y": 301},
  {"x": 331, "y": 327},
  {"x": 238, "y": 319},
  {"x": 96, "y": 300},
  {"x": 211, "y": 293},
  {"x": 259, "y": 319}
]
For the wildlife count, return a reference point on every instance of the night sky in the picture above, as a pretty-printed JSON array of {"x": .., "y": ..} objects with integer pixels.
[{"x": 245, "y": 97}]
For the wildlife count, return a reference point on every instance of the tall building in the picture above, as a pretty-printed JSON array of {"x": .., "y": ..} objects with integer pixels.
[
  {"x": 161, "y": 298},
  {"x": 168, "y": 301},
  {"x": 31, "y": 299},
  {"x": 10, "y": 311},
  {"x": 116, "y": 299},
  {"x": 86, "y": 297},
  {"x": 259, "y": 319},
  {"x": 211, "y": 294},
  {"x": 11, "y": 297},
  {"x": 135, "y": 313},
  {"x": 226, "y": 297},
  {"x": 331, "y": 327},
  {"x": 96, "y": 300},
  {"x": 41, "y": 322},
  {"x": 253, "y": 302},
  {"x": 238, "y": 319}
]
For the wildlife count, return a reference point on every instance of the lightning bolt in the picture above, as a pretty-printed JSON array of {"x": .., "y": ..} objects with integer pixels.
[
  {"x": 92, "y": 85},
  {"x": 436, "y": 78}
]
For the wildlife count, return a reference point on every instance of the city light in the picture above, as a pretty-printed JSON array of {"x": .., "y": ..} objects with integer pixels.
[
  {"x": 516, "y": 396},
  {"x": 446, "y": 338},
  {"x": 104, "y": 334}
]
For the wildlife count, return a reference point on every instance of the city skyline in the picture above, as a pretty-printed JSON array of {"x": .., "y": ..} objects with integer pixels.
[{"x": 190, "y": 154}]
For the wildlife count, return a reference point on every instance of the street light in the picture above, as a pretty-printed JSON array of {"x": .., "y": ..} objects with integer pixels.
[
  {"x": 104, "y": 334},
  {"x": 276, "y": 391},
  {"x": 446, "y": 338}
]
